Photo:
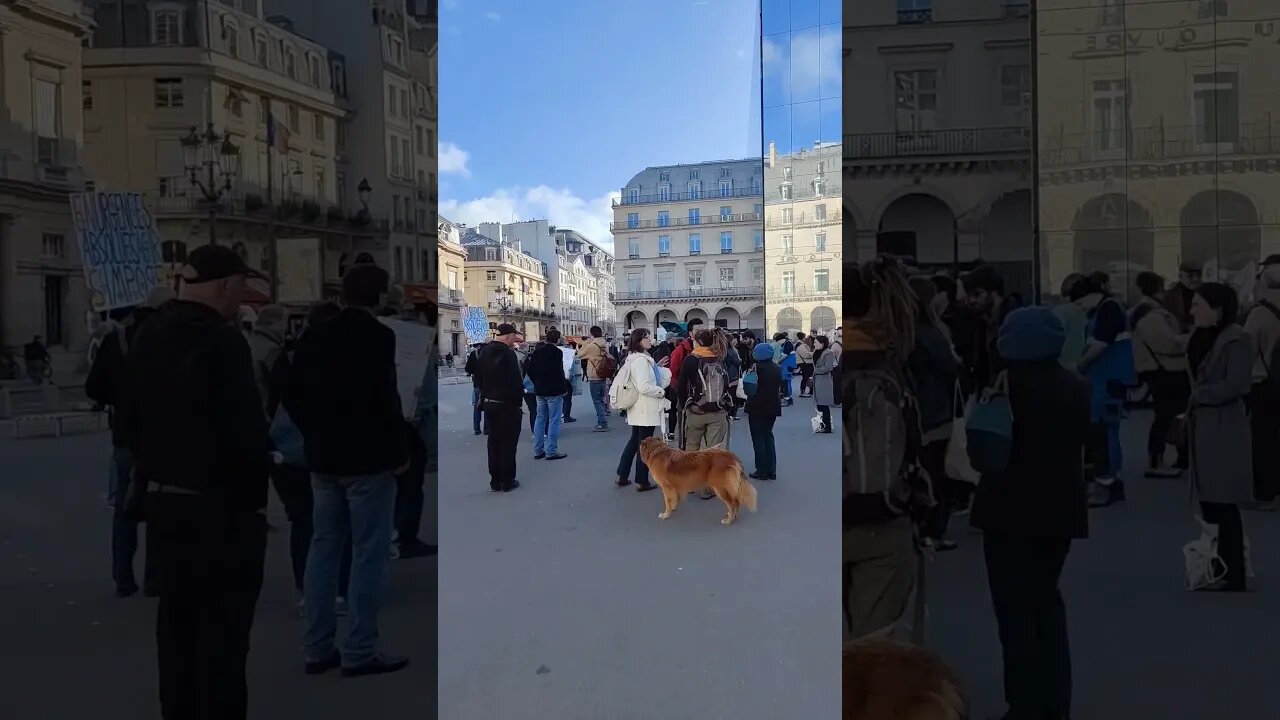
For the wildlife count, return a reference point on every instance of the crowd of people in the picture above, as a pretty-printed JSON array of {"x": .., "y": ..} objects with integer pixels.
[
  {"x": 963, "y": 400},
  {"x": 204, "y": 416},
  {"x": 689, "y": 387}
]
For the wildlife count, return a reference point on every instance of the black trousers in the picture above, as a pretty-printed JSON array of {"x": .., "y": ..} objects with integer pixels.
[
  {"x": 806, "y": 379},
  {"x": 568, "y": 404},
  {"x": 1023, "y": 575},
  {"x": 1230, "y": 539},
  {"x": 1169, "y": 394},
  {"x": 933, "y": 457},
  {"x": 504, "y": 438},
  {"x": 209, "y": 563},
  {"x": 531, "y": 402},
  {"x": 1264, "y": 422},
  {"x": 410, "y": 495},
  {"x": 631, "y": 453}
]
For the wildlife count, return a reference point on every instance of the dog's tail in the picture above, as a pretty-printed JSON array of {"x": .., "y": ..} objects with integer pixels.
[{"x": 746, "y": 491}]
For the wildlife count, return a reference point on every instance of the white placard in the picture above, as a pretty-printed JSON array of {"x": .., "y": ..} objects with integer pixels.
[{"x": 119, "y": 245}]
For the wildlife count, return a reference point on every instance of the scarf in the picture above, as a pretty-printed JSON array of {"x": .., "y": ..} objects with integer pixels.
[{"x": 705, "y": 352}]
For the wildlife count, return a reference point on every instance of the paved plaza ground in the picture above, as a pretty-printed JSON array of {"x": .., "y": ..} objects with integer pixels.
[
  {"x": 569, "y": 599},
  {"x": 1142, "y": 646},
  {"x": 74, "y": 651}
]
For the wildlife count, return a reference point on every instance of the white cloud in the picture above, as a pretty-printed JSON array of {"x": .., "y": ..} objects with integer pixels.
[
  {"x": 560, "y": 207},
  {"x": 493, "y": 16},
  {"x": 807, "y": 62},
  {"x": 453, "y": 159}
]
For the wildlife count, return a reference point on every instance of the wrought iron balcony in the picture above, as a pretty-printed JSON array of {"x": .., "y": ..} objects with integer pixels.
[
  {"x": 1016, "y": 9},
  {"x": 803, "y": 290},
  {"x": 689, "y": 293},
  {"x": 917, "y": 143},
  {"x": 681, "y": 222},
  {"x": 915, "y": 17},
  {"x": 799, "y": 219},
  {"x": 1161, "y": 144},
  {"x": 708, "y": 194}
]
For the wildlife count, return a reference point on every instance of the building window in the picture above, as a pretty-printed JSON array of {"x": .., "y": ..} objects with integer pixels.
[
  {"x": 264, "y": 105},
  {"x": 338, "y": 76},
  {"x": 1112, "y": 13},
  {"x": 166, "y": 27},
  {"x": 317, "y": 126},
  {"x": 695, "y": 216},
  {"x": 86, "y": 95},
  {"x": 633, "y": 247},
  {"x": 397, "y": 51},
  {"x": 695, "y": 244},
  {"x": 664, "y": 193},
  {"x": 726, "y": 243},
  {"x": 787, "y": 216},
  {"x": 789, "y": 283},
  {"x": 320, "y": 185},
  {"x": 728, "y": 277},
  {"x": 914, "y": 12},
  {"x": 726, "y": 188},
  {"x": 431, "y": 142},
  {"x": 291, "y": 63},
  {"x": 633, "y": 195},
  {"x": 788, "y": 245},
  {"x": 404, "y": 103},
  {"x": 314, "y": 63},
  {"x": 757, "y": 185},
  {"x": 231, "y": 36},
  {"x": 757, "y": 275},
  {"x": 1109, "y": 124},
  {"x": 168, "y": 92},
  {"x": 53, "y": 245},
  {"x": 666, "y": 282},
  {"x": 635, "y": 281},
  {"x": 418, "y": 139},
  {"x": 1015, "y": 83},
  {"x": 633, "y": 220},
  {"x": 1216, "y": 103},
  {"x": 55, "y": 291},
  {"x": 757, "y": 240},
  {"x": 820, "y": 242},
  {"x": 294, "y": 118},
  {"x": 695, "y": 190},
  {"x": 822, "y": 280},
  {"x": 47, "y": 119},
  {"x": 260, "y": 51},
  {"x": 916, "y": 100},
  {"x": 340, "y": 136},
  {"x": 664, "y": 218},
  {"x": 695, "y": 278},
  {"x": 785, "y": 191},
  {"x": 664, "y": 246},
  {"x": 391, "y": 100},
  {"x": 726, "y": 213}
]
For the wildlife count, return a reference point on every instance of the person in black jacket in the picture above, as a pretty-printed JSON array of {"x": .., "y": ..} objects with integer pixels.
[
  {"x": 110, "y": 384},
  {"x": 1030, "y": 513},
  {"x": 345, "y": 401},
  {"x": 502, "y": 390},
  {"x": 546, "y": 372},
  {"x": 934, "y": 369},
  {"x": 477, "y": 407},
  {"x": 201, "y": 451},
  {"x": 763, "y": 410}
]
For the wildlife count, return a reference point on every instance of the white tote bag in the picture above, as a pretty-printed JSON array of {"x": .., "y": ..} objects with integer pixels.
[
  {"x": 1204, "y": 566},
  {"x": 957, "y": 463}
]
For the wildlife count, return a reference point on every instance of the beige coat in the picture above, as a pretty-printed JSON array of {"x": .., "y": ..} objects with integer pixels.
[
  {"x": 637, "y": 371},
  {"x": 1158, "y": 343},
  {"x": 591, "y": 353},
  {"x": 1263, "y": 327}
]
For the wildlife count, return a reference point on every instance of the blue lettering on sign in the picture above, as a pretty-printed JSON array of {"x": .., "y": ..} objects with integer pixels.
[{"x": 119, "y": 246}]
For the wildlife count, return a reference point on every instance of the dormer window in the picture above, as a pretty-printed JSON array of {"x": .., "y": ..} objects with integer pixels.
[
  {"x": 166, "y": 26},
  {"x": 231, "y": 38},
  {"x": 313, "y": 63},
  {"x": 291, "y": 63},
  {"x": 260, "y": 50}
]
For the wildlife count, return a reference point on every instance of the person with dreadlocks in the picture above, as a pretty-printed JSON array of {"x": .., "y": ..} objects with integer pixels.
[{"x": 883, "y": 484}]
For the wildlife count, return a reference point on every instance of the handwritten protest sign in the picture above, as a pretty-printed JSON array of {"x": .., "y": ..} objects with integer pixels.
[
  {"x": 476, "y": 323},
  {"x": 120, "y": 247},
  {"x": 415, "y": 348}
]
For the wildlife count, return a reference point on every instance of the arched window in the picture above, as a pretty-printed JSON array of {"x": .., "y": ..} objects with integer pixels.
[{"x": 166, "y": 25}]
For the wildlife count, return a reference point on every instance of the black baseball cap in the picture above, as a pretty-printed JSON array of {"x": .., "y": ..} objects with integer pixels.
[
  {"x": 216, "y": 262},
  {"x": 507, "y": 329},
  {"x": 1271, "y": 260},
  {"x": 1191, "y": 266}
]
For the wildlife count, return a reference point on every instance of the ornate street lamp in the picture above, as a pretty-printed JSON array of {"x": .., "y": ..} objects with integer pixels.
[
  {"x": 506, "y": 299},
  {"x": 212, "y": 161}
]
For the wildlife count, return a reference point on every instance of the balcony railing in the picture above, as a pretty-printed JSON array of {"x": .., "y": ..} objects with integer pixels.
[
  {"x": 803, "y": 219},
  {"x": 249, "y": 203},
  {"x": 703, "y": 292},
  {"x": 709, "y": 194},
  {"x": 832, "y": 290},
  {"x": 1016, "y": 9},
  {"x": 964, "y": 141},
  {"x": 915, "y": 17},
  {"x": 681, "y": 222},
  {"x": 1155, "y": 144}
]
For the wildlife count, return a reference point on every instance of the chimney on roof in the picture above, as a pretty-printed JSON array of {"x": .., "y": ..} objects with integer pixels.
[{"x": 773, "y": 154}]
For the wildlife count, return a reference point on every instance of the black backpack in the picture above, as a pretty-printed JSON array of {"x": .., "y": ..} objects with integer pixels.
[{"x": 710, "y": 389}]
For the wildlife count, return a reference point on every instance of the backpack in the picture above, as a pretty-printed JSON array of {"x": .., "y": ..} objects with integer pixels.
[
  {"x": 712, "y": 388},
  {"x": 624, "y": 395},
  {"x": 606, "y": 367},
  {"x": 989, "y": 429},
  {"x": 882, "y": 438},
  {"x": 750, "y": 383}
]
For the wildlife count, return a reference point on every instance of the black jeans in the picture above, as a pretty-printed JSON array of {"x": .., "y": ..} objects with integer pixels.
[
  {"x": 762, "y": 444},
  {"x": 410, "y": 495},
  {"x": 825, "y": 411},
  {"x": 504, "y": 438},
  {"x": 531, "y": 402},
  {"x": 1169, "y": 394},
  {"x": 209, "y": 567},
  {"x": 806, "y": 379},
  {"x": 124, "y": 531},
  {"x": 1264, "y": 422},
  {"x": 1023, "y": 574},
  {"x": 293, "y": 486},
  {"x": 568, "y": 404},
  {"x": 933, "y": 457},
  {"x": 1230, "y": 539},
  {"x": 632, "y": 453}
]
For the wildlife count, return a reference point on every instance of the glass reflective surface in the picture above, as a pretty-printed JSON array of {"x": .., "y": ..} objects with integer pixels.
[
  {"x": 1158, "y": 139},
  {"x": 802, "y": 93}
]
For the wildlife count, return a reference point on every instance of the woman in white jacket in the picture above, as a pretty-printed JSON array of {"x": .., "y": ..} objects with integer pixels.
[{"x": 649, "y": 378}]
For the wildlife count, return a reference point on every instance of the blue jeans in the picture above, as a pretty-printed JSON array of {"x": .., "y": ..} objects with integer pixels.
[
  {"x": 124, "y": 528},
  {"x": 362, "y": 508},
  {"x": 631, "y": 453},
  {"x": 597, "y": 399},
  {"x": 475, "y": 409},
  {"x": 546, "y": 428}
]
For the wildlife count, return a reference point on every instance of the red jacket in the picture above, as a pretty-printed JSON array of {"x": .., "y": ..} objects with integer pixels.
[{"x": 677, "y": 357}]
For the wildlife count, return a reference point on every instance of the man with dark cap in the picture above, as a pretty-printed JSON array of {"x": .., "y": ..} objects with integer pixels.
[
  {"x": 1177, "y": 299},
  {"x": 502, "y": 392},
  {"x": 1263, "y": 325},
  {"x": 201, "y": 454}
]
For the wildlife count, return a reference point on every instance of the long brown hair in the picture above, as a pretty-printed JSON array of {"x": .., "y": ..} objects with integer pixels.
[{"x": 878, "y": 299}]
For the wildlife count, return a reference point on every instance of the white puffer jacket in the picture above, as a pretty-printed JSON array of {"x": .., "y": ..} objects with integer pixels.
[{"x": 637, "y": 371}]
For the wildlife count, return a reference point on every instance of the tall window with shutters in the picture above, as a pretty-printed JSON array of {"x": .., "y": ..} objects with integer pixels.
[{"x": 47, "y": 119}]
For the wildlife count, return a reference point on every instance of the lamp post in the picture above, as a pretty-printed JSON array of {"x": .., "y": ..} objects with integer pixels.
[
  {"x": 211, "y": 160},
  {"x": 506, "y": 298},
  {"x": 364, "y": 190}
]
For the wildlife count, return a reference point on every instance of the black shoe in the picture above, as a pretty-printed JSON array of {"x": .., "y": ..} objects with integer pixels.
[
  {"x": 569, "y": 420},
  {"x": 772, "y": 477},
  {"x": 557, "y": 456},
  {"x": 126, "y": 591},
  {"x": 539, "y": 456},
  {"x": 495, "y": 488},
  {"x": 417, "y": 549},
  {"x": 645, "y": 487},
  {"x": 318, "y": 667},
  {"x": 758, "y": 476},
  {"x": 514, "y": 484},
  {"x": 622, "y": 481},
  {"x": 478, "y": 432},
  {"x": 380, "y": 665}
]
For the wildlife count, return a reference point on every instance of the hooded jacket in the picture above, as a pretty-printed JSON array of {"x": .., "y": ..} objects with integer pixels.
[{"x": 591, "y": 353}]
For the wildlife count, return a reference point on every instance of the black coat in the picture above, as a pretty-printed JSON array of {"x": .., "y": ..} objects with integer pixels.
[
  {"x": 109, "y": 382},
  {"x": 498, "y": 374},
  {"x": 546, "y": 371},
  {"x": 1043, "y": 492},
  {"x": 767, "y": 402},
  {"x": 344, "y": 397}
]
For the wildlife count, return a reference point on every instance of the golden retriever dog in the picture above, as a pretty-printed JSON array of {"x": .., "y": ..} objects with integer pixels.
[
  {"x": 679, "y": 473},
  {"x": 890, "y": 680}
]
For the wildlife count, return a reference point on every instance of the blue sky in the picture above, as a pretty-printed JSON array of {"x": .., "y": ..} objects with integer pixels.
[{"x": 548, "y": 108}]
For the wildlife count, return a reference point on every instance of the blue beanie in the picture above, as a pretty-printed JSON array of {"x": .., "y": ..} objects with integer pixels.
[
  {"x": 1031, "y": 333},
  {"x": 762, "y": 352}
]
